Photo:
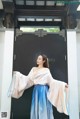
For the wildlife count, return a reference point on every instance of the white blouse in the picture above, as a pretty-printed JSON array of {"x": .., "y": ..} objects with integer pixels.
[{"x": 57, "y": 93}]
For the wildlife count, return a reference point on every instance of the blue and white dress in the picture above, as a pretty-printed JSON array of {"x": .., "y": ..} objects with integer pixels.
[
  {"x": 47, "y": 92},
  {"x": 41, "y": 108}
]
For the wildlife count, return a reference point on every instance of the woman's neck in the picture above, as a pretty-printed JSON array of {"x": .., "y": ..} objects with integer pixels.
[{"x": 40, "y": 66}]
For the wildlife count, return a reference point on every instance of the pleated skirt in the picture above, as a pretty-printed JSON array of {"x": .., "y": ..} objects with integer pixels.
[{"x": 41, "y": 108}]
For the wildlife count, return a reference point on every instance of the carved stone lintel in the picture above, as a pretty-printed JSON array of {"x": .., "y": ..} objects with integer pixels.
[
  {"x": 71, "y": 21},
  {"x": 62, "y": 33},
  {"x": 8, "y": 21},
  {"x": 40, "y": 32},
  {"x": 18, "y": 32}
]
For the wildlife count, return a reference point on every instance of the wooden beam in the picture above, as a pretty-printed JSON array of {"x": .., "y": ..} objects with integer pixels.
[
  {"x": 31, "y": 12},
  {"x": 29, "y": 23},
  {"x": 35, "y": 7}
]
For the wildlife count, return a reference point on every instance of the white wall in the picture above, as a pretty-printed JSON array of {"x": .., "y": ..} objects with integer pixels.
[
  {"x": 1, "y": 5},
  {"x": 78, "y": 64},
  {"x": 1, "y": 60},
  {"x": 7, "y": 62},
  {"x": 72, "y": 74}
]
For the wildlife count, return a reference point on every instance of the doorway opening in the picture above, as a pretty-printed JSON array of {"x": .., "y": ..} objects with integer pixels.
[{"x": 27, "y": 45}]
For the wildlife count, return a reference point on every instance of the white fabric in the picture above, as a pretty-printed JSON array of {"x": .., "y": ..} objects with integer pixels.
[{"x": 57, "y": 93}]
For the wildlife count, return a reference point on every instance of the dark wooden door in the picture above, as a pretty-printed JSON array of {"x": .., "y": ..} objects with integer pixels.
[{"x": 26, "y": 47}]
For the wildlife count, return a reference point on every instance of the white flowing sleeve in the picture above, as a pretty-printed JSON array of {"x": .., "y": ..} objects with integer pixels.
[
  {"x": 19, "y": 83},
  {"x": 58, "y": 94}
]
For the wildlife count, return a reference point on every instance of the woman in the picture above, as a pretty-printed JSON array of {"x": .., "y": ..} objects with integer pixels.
[{"x": 47, "y": 91}]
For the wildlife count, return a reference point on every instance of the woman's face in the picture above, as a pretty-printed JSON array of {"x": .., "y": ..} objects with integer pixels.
[{"x": 40, "y": 60}]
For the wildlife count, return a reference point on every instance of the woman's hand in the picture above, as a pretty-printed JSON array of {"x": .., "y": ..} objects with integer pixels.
[{"x": 66, "y": 86}]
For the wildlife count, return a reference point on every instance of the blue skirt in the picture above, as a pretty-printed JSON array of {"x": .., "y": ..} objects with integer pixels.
[{"x": 41, "y": 108}]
